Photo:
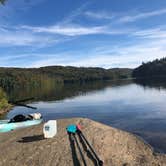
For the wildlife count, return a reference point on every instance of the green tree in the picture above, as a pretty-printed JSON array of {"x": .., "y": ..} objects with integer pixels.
[
  {"x": 3, "y": 100},
  {"x": 12, "y": 78},
  {"x": 156, "y": 68}
]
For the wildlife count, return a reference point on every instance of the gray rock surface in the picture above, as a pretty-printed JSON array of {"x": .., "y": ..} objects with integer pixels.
[{"x": 26, "y": 147}]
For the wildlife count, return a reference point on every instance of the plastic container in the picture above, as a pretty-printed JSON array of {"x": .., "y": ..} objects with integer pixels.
[{"x": 50, "y": 129}]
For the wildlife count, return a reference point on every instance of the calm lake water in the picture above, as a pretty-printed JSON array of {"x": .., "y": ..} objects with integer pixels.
[{"x": 135, "y": 106}]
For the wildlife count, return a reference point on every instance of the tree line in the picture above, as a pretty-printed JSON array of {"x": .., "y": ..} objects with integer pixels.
[
  {"x": 11, "y": 78},
  {"x": 156, "y": 68}
]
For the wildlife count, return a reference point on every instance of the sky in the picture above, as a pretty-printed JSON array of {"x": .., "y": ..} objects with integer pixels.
[{"x": 83, "y": 33}]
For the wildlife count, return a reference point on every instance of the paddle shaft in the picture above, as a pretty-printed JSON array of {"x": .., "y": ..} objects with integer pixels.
[
  {"x": 83, "y": 159},
  {"x": 100, "y": 162}
]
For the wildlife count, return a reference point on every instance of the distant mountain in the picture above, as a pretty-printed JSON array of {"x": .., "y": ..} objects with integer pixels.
[
  {"x": 15, "y": 77},
  {"x": 156, "y": 68}
]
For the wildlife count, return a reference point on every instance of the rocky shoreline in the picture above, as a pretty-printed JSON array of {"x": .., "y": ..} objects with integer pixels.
[{"x": 115, "y": 147}]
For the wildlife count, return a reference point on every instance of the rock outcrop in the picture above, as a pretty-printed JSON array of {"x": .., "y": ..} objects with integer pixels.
[{"x": 26, "y": 147}]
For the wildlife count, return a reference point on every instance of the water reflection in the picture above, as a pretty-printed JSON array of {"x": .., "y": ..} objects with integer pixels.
[
  {"x": 61, "y": 91},
  {"x": 157, "y": 83},
  {"x": 137, "y": 107}
]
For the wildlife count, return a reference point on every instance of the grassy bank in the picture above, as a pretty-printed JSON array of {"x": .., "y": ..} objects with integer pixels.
[{"x": 4, "y": 105}]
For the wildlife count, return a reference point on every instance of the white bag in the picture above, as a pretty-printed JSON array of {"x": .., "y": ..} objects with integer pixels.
[
  {"x": 50, "y": 129},
  {"x": 36, "y": 116}
]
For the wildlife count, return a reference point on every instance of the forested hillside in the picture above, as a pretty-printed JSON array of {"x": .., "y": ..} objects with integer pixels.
[
  {"x": 15, "y": 77},
  {"x": 156, "y": 68}
]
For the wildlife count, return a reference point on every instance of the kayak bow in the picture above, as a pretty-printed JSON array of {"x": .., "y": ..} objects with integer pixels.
[{"x": 6, "y": 127}]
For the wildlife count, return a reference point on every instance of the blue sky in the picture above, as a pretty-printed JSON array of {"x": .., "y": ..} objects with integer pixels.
[{"x": 105, "y": 33}]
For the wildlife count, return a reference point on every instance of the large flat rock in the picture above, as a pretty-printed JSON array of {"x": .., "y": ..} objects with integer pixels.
[{"x": 26, "y": 147}]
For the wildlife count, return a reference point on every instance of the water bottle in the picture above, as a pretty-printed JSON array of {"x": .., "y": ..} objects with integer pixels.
[{"x": 50, "y": 129}]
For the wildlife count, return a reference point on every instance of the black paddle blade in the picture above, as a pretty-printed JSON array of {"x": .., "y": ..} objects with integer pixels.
[
  {"x": 21, "y": 101},
  {"x": 24, "y": 105}
]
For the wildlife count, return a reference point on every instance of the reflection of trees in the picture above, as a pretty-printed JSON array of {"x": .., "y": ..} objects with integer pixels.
[
  {"x": 52, "y": 92},
  {"x": 158, "y": 83}
]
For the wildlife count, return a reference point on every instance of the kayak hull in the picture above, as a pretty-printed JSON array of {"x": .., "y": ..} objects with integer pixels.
[{"x": 6, "y": 127}]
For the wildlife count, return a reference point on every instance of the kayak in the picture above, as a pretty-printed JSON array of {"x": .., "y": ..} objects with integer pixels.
[{"x": 5, "y": 126}]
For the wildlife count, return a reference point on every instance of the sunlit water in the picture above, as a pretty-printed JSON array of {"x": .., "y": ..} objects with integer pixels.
[{"x": 131, "y": 107}]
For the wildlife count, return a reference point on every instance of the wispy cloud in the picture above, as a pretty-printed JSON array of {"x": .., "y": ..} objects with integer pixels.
[
  {"x": 46, "y": 35},
  {"x": 74, "y": 14},
  {"x": 13, "y": 39},
  {"x": 27, "y": 35},
  {"x": 98, "y": 15},
  {"x": 68, "y": 30},
  {"x": 143, "y": 44},
  {"x": 131, "y": 55},
  {"x": 153, "y": 33},
  {"x": 78, "y": 30},
  {"x": 122, "y": 17},
  {"x": 22, "y": 37},
  {"x": 142, "y": 15}
]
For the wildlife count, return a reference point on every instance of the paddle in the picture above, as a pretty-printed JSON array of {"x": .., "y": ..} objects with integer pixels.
[
  {"x": 24, "y": 100},
  {"x": 20, "y": 103},
  {"x": 79, "y": 132},
  {"x": 72, "y": 130}
]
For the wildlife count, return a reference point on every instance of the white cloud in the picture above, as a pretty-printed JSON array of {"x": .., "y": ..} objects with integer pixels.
[
  {"x": 122, "y": 17},
  {"x": 131, "y": 55},
  {"x": 68, "y": 30},
  {"x": 74, "y": 14},
  {"x": 152, "y": 33},
  {"x": 44, "y": 36},
  {"x": 121, "y": 56},
  {"x": 142, "y": 15},
  {"x": 151, "y": 47},
  {"x": 19, "y": 37},
  {"x": 78, "y": 30},
  {"x": 98, "y": 15}
]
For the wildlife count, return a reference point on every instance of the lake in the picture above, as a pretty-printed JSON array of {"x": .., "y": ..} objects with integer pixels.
[{"x": 135, "y": 106}]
